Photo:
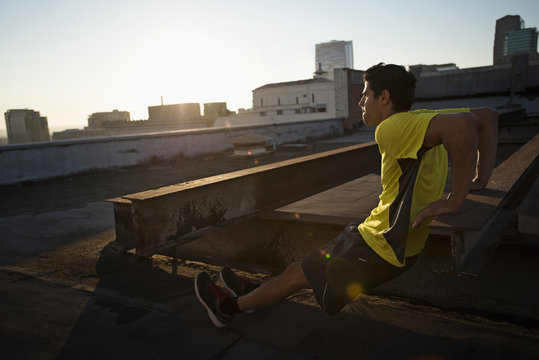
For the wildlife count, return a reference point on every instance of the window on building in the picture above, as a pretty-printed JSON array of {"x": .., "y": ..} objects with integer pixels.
[
  {"x": 297, "y": 100},
  {"x": 321, "y": 109},
  {"x": 262, "y": 113},
  {"x": 297, "y": 111},
  {"x": 261, "y": 102},
  {"x": 279, "y": 112},
  {"x": 278, "y": 101},
  {"x": 313, "y": 97}
]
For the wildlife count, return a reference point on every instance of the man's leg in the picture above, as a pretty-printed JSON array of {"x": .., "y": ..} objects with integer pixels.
[{"x": 276, "y": 290}]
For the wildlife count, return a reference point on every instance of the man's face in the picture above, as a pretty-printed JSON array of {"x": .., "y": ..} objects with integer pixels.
[{"x": 370, "y": 106}]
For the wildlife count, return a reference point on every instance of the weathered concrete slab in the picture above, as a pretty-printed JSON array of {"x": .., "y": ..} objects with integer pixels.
[
  {"x": 168, "y": 213},
  {"x": 30, "y": 234}
]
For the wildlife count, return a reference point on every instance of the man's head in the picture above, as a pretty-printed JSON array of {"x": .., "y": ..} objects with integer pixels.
[{"x": 396, "y": 80}]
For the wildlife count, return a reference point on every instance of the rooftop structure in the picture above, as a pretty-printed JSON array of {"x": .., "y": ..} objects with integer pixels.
[
  {"x": 174, "y": 113},
  {"x": 97, "y": 119}
]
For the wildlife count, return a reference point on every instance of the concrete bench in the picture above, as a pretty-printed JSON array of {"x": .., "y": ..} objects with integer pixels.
[{"x": 156, "y": 219}]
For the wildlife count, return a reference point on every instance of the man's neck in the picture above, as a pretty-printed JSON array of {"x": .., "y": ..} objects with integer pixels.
[{"x": 387, "y": 113}]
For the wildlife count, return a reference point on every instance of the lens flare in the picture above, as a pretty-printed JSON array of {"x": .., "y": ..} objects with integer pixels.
[
  {"x": 325, "y": 254},
  {"x": 353, "y": 290}
]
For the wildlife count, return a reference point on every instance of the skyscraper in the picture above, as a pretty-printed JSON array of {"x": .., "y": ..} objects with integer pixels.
[
  {"x": 511, "y": 38},
  {"x": 333, "y": 55},
  {"x": 523, "y": 41},
  {"x": 24, "y": 125},
  {"x": 503, "y": 26}
]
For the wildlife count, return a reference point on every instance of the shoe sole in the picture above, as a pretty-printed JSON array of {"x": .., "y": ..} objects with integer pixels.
[{"x": 211, "y": 314}]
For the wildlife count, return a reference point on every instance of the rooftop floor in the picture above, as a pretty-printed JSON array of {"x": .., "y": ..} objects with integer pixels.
[{"x": 67, "y": 292}]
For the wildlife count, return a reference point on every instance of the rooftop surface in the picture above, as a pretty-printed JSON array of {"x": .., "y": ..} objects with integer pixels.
[{"x": 67, "y": 292}]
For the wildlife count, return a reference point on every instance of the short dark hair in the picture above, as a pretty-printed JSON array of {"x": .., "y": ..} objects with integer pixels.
[{"x": 394, "y": 78}]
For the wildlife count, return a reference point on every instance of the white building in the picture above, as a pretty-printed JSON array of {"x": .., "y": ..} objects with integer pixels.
[
  {"x": 333, "y": 55},
  {"x": 301, "y": 100},
  {"x": 295, "y": 97}
]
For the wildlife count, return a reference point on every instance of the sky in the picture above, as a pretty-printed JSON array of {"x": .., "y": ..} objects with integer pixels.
[{"x": 68, "y": 59}]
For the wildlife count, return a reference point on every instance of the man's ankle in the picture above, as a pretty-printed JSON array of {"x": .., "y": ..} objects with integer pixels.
[{"x": 230, "y": 306}]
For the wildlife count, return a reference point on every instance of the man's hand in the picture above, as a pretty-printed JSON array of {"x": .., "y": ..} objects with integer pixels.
[
  {"x": 476, "y": 185},
  {"x": 434, "y": 209}
]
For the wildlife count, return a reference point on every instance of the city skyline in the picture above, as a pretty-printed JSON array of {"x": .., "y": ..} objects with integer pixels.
[{"x": 69, "y": 60}]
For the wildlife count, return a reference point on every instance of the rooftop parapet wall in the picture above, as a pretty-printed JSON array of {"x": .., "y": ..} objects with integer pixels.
[
  {"x": 497, "y": 79},
  {"x": 520, "y": 75},
  {"x": 39, "y": 161}
]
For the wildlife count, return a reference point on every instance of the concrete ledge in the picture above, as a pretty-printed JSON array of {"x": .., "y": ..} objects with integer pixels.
[
  {"x": 39, "y": 161},
  {"x": 171, "y": 213}
]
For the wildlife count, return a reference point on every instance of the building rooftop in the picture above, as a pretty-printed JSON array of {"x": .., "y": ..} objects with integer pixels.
[{"x": 68, "y": 292}]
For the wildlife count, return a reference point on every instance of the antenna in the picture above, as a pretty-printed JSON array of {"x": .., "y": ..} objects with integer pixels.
[{"x": 320, "y": 72}]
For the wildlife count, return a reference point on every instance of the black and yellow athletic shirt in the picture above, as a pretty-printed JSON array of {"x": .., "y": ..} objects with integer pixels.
[{"x": 412, "y": 177}]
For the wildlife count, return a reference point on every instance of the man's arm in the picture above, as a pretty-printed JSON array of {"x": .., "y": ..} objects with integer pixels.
[
  {"x": 487, "y": 144},
  {"x": 459, "y": 135}
]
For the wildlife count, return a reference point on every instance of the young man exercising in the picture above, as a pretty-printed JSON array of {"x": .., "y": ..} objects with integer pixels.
[{"x": 415, "y": 146}]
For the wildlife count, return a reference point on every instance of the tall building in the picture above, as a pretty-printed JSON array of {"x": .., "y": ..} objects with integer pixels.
[
  {"x": 512, "y": 38},
  {"x": 24, "y": 126},
  {"x": 333, "y": 55},
  {"x": 523, "y": 41}
]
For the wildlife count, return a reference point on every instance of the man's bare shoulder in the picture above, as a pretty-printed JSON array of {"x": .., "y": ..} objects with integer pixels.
[{"x": 448, "y": 125}]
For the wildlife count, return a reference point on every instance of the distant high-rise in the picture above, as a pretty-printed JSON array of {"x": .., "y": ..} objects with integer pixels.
[
  {"x": 24, "y": 125},
  {"x": 333, "y": 55},
  {"x": 511, "y": 38},
  {"x": 523, "y": 41}
]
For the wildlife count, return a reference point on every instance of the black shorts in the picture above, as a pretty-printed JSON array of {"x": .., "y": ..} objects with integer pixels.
[{"x": 345, "y": 268}]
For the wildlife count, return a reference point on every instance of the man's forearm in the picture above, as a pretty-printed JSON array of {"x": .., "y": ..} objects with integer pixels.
[
  {"x": 487, "y": 144},
  {"x": 458, "y": 134},
  {"x": 461, "y": 144}
]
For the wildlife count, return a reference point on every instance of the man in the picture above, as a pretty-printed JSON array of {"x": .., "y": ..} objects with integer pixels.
[{"x": 414, "y": 146}]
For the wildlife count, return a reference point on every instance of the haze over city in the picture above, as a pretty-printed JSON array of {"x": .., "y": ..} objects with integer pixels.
[{"x": 68, "y": 60}]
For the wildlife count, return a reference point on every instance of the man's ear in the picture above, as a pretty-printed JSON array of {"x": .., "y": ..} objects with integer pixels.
[{"x": 385, "y": 96}]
